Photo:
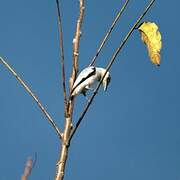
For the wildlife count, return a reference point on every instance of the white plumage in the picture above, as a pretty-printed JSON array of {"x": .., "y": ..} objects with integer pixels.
[{"x": 87, "y": 78}]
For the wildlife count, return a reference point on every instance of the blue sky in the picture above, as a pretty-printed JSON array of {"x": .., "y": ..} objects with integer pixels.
[{"x": 130, "y": 132}]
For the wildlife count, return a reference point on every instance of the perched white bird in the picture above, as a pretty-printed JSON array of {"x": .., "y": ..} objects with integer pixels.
[{"x": 88, "y": 77}]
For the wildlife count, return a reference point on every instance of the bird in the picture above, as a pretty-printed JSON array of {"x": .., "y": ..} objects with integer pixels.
[{"x": 87, "y": 78}]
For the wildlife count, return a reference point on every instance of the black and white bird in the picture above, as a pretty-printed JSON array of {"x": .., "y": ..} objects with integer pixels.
[{"x": 87, "y": 78}]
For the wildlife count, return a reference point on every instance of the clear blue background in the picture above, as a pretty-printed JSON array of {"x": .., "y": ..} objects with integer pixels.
[{"x": 130, "y": 132}]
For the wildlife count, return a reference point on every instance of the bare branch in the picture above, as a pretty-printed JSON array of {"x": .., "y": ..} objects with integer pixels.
[
  {"x": 27, "y": 169},
  {"x": 60, "y": 167},
  {"x": 109, "y": 32},
  {"x": 27, "y": 89},
  {"x": 76, "y": 42},
  {"x": 62, "y": 54},
  {"x": 109, "y": 66}
]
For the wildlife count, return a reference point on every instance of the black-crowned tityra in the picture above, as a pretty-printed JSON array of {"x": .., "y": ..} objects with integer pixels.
[{"x": 88, "y": 77}]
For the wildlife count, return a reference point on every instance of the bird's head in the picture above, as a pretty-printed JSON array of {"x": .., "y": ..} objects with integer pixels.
[{"x": 106, "y": 81}]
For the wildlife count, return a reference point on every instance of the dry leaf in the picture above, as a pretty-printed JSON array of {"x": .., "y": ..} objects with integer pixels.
[{"x": 152, "y": 38}]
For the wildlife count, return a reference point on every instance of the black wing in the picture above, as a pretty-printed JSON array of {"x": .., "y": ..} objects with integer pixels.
[{"x": 83, "y": 79}]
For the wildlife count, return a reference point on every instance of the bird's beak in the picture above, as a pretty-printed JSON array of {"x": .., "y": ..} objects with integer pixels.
[
  {"x": 106, "y": 83},
  {"x": 105, "y": 87}
]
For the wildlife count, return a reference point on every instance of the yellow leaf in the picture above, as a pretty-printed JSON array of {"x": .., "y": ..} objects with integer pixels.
[{"x": 152, "y": 38}]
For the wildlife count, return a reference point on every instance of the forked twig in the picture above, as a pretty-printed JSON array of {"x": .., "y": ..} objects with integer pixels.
[
  {"x": 62, "y": 55},
  {"x": 109, "y": 66},
  {"x": 27, "y": 89},
  {"x": 109, "y": 32}
]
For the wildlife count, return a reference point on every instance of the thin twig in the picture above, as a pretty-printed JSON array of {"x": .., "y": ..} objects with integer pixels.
[
  {"x": 109, "y": 32},
  {"x": 109, "y": 66},
  {"x": 35, "y": 160},
  {"x": 27, "y": 169},
  {"x": 62, "y": 54},
  {"x": 27, "y": 89}
]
